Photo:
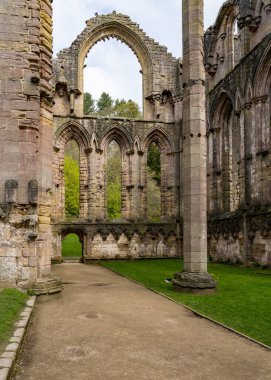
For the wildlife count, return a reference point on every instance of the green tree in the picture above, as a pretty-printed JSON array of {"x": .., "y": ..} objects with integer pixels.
[
  {"x": 105, "y": 105},
  {"x": 114, "y": 181},
  {"x": 129, "y": 109},
  {"x": 113, "y": 200},
  {"x": 89, "y": 104},
  {"x": 153, "y": 198},
  {"x": 71, "y": 175},
  {"x": 72, "y": 150},
  {"x": 154, "y": 183},
  {"x": 154, "y": 162}
]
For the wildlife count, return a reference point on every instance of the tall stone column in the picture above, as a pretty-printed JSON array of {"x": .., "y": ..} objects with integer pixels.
[{"x": 195, "y": 276}]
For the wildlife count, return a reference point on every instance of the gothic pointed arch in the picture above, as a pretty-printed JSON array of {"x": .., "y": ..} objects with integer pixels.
[
  {"x": 248, "y": 92},
  {"x": 222, "y": 117},
  {"x": 75, "y": 131},
  {"x": 158, "y": 136},
  {"x": 137, "y": 144},
  {"x": 220, "y": 104},
  {"x": 157, "y": 74},
  {"x": 262, "y": 5},
  {"x": 238, "y": 101},
  {"x": 67, "y": 132},
  {"x": 262, "y": 79},
  {"x": 120, "y": 135},
  {"x": 221, "y": 50},
  {"x": 95, "y": 141}
]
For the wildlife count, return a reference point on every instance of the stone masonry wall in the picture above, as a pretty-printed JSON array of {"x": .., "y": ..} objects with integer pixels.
[
  {"x": 240, "y": 26},
  {"x": 46, "y": 138},
  {"x": 239, "y": 120},
  {"x": 93, "y": 135},
  {"x": 24, "y": 58},
  {"x": 238, "y": 63},
  {"x": 105, "y": 241}
]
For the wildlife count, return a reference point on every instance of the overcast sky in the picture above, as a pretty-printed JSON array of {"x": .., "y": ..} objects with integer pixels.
[{"x": 111, "y": 66}]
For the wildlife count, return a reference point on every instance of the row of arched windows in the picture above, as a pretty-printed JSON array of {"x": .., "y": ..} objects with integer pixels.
[
  {"x": 114, "y": 181},
  {"x": 239, "y": 143}
]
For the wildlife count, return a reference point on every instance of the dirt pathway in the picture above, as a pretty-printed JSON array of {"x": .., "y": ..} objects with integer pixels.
[{"x": 105, "y": 327}]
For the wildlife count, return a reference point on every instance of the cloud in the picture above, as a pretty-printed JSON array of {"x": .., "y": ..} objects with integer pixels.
[
  {"x": 156, "y": 18},
  {"x": 106, "y": 74},
  {"x": 112, "y": 66}
]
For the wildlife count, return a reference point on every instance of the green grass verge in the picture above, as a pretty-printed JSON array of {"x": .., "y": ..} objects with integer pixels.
[
  {"x": 71, "y": 246},
  {"x": 242, "y": 302},
  {"x": 12, "y": 303}
]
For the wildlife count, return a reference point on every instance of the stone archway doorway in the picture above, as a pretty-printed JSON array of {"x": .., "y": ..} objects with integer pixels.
[{"x": 72, "y": 246}]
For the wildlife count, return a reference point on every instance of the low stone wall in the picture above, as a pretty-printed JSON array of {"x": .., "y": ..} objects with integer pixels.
[
  {"x": 120, "y": 241},
  {"x": 137, "y": 247},
  {"x": 227, "y": 250},
  {"x": 241, "y": 238}
]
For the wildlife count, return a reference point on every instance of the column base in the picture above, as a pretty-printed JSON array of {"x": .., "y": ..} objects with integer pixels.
[
  {"x": 198, "y": 283},
  {"x": 47, "y": 285}
]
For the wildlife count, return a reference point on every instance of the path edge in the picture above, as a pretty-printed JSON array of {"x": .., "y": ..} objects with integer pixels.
[
  {"x": 197, "y": 313},
  {"x": 11, "y": 353}
]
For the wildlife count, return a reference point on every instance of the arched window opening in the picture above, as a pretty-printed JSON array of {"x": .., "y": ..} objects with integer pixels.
[
  {"x": 226, "y": 142},
  {"x": 154, "y": 183},
  {"x": 114, "y": 181},
  {"x": 237, "y": 154},
  {"x": 230, "y": 150},
  {"x": 71, "y": 246},
  {"x": 249, "y": 132},
  {"x": 72, "y": 179},
  {"x": 114, "y": 85},
  {"x": 236, "y": 43}
]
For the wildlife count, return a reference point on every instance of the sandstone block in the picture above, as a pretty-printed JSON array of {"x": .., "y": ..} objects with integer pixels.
[{"x": 6, "y": 362}]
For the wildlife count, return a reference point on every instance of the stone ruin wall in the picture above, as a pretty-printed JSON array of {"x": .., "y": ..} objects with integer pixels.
[
  {"x": 239, "y": 120},
  {"x": 238, "y": 87},
  {"x": 105, "y": 241},
  {"x": 25, "y": 139},
  {"x": 161, "y": 76},
  {"x": 161, "y": 72},
  {"x": 238, "y": 29},
  {"x": 133, "y": 136}
]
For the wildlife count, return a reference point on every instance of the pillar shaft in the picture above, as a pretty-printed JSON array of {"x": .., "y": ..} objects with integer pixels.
[{"x": 194, "y": 144}]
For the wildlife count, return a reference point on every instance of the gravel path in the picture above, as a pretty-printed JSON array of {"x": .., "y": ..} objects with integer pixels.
[{"x": 103, "y": 326}]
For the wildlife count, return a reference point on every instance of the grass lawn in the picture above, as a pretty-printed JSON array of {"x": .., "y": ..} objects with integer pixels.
[
  {"x": 12, "y": 303},
  {"x": 242, "y": 302},
  {"x": 71, "y": 246}
]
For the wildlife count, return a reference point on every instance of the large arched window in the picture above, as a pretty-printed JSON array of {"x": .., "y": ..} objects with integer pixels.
[
  {"x": 227, "y": 163},
  {"x": 155, "y": 75},
  {"x": 249, "y": 137},
  {"x": 261, "y": 116},
  {"x": 112, "y": 68},
  {"x": 72, "y": 143},
  {"x": 226, "y": 156},
  {"x": 236, "y": 43}
]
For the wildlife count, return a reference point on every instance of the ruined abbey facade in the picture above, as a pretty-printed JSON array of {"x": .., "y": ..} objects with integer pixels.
[{"x": 41, "y": 110}]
